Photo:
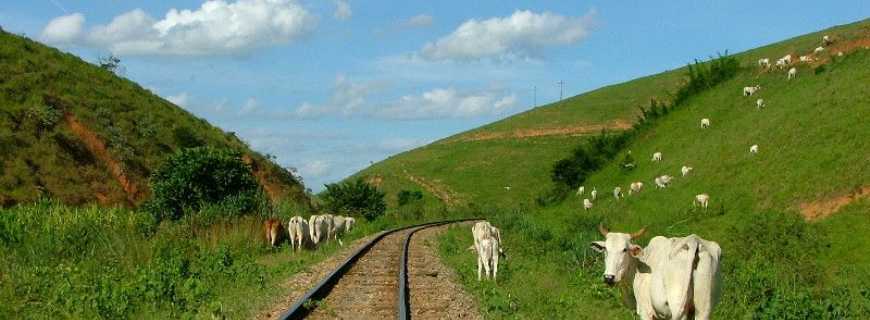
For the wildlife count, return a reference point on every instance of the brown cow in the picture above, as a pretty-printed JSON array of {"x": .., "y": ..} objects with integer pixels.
[{"x": 275, "y": 232}]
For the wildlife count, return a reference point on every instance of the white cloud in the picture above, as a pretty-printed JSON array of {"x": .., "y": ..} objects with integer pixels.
[
  {"x": 418, "y": 21},
  {"x": 181, "y": 99},
  {"x": 448, "y": 103},
  {"x": 315, "y": 169},
  {"x": 217, "y": 27},
  {"x": 342, "y": 10},
  {"x": 249, "y": 107},
  {"x": 347, "y": 98},
  {"x": 64, "y": 29},
  {"x": 520, "y": 34}
]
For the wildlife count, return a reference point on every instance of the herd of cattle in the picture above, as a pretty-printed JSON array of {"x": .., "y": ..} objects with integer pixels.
[
  {"x": 670, "y": 278},
  {"x": 308, "y": 233}
]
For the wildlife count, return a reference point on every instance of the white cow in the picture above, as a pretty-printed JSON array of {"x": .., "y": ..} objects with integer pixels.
[
  {"x": 487, "y": 245},
  {"x": 806, "y": 59},
  {"x": 787, "y": 59},
  {"x": 338, "y": 228},
  {"x": 672, "y": 278},
  {"x": 487, "y": 258},
  {"x": 781, "y": 64},
  {"x": 753, "y": 149},
  {"x": 702, "y": 199},
  {"x": 705, "y": 123},
  {"x": 657, "y": 157},
  {"x": 662, "y": 181},
  {"x": 298, "y": 231},
  {"x": 792, "y": 73},
  {"x": 826, "y": 40},
  {"x": 581, "y": 190},
  {"x": 819, "y": 50},
  {"x": 748, "y": 91},
  {"x": 587, "y": 204},
  {"x": 594, "y": 193},
  {"x": 617, "y": 193},
  {"x": 685, "y": 170},
  {"x": 321, "y": 227},
  {"x": 635, "y": 187},
  {"x": 764, "y": 63},
  {"x": 759, "y": 104},
  {"x": 349, "y": 222}
]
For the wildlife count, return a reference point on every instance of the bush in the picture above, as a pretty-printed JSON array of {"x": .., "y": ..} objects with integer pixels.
[
  {"x": 407, "y": 196},
  {"x": 194, "y": 177},
  {"x": 354, "y": 198}
]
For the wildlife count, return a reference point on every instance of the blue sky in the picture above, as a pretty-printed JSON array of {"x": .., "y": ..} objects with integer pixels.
[{"x": 329, "y": 86}]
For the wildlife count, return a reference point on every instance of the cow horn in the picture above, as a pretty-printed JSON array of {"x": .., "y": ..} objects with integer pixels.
[
  {"x": 603, "y": 230},
  {"x": 639, "y": 233}
]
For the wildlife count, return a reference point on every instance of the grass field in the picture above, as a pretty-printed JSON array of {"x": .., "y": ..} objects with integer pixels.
[{"x": 776, "y": 265}]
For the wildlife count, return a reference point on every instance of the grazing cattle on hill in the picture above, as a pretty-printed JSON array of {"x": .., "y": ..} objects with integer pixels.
[
  {"x": 672, "y": 278},
  {"x": 298, "y": 231},
  {"x": 705, "y": 123},
  {"x": 753, "y": 149},
  {"x": 702, "y": 199},
  {"x": 792, "y": 73},
  {"x": 748, "y": 91},
  {"x": 663, "y": 181},
  {"x": 819, "y": 50},
  {"x": 759, "y": 104},
  {"x": 617, "y": 192},
  {"x": 274, "y": 232},
  {"x": 635, "y": 187},
  {"x": 594, "y": 193},
  {"x": 826, "y": 40},
  {"x": 685, "y": 170},
  {"x": 587, "y": 204},
  {"x": 764, "y": 63},
  {"x": 657, "y": 157},
  {"x": 581, "y": 190}
]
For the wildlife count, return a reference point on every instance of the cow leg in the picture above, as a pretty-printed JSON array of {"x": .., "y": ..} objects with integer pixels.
[
  {"x": 495, "y": 265},
  {"x": 479, "y": 266}
]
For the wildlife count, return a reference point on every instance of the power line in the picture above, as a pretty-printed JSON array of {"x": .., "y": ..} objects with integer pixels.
[{"x": 561, "y": 84}]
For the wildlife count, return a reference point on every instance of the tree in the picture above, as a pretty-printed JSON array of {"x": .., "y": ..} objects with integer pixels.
[
  {"x": 355, "y": 198},
  {"x": 110, "y": 63},
  {"x": 194, "y": 177}
]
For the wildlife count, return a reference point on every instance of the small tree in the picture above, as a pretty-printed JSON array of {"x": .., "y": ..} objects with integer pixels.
[
  {"x": 110, "y": 63},
  {"x": 354, "y": 197},
  {"x": 195, "y": 177}
]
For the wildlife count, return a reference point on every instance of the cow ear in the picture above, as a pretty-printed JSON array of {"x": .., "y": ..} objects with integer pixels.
[
  {"x": 597, "y": 246},
  {"x": 635, "y": 250}
]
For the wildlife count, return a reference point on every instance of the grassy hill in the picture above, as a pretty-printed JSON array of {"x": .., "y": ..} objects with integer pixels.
[
  {"x": 75, "y": 132},
  {"x": 792, "y": 220}
]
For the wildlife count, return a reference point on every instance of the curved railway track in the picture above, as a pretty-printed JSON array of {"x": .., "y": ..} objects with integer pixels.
[{"x": 370, "y": 284}]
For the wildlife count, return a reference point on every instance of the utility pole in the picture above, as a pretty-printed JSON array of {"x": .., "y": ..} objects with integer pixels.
[
  {"x": 535, "y": 97},
  {"x": 561, "y": 84}
]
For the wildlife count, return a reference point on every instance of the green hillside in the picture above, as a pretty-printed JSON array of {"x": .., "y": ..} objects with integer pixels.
[
  {"x": 75, "y": 132},
  {"x": 792, "y": 220}
]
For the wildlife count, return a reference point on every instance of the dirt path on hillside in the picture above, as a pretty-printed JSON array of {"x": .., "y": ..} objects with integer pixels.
[
  {"x": 304, "y": 280},
  {"x": 441, "y": 191},
  {"x": 823, "y": 208},
  {"x": 544, "y": 132},
  {"x": 98, "y": 148},
  {"x": 433, "y": 287}
]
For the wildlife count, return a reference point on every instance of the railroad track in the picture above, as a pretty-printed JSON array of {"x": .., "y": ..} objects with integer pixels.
[{"x": 370, "y": 284}]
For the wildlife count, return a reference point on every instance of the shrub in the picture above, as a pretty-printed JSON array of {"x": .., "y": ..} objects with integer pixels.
[
  {"x": 407, "y": 196},
  {"x": 45, "y": 116},
  {"x": 193, "y": 177},
  {"x": 354, "y": 197},
  {"x": 186, "y": 138}
]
